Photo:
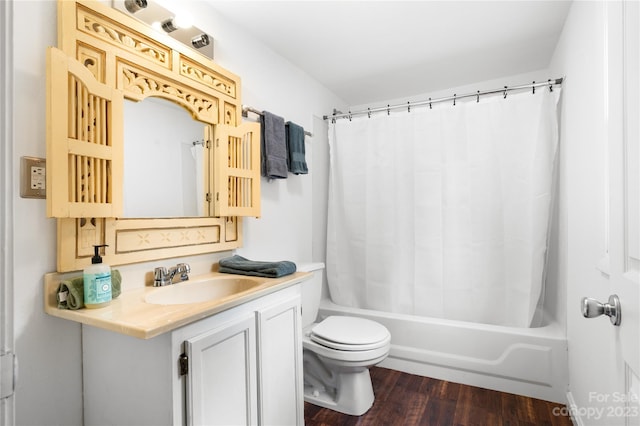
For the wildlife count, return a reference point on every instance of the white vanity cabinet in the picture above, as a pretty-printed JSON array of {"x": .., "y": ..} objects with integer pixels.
[{"x": 241, "y": 366}]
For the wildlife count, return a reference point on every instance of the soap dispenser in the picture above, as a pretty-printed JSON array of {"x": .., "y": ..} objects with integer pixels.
[{"x": 97, "y": 281}]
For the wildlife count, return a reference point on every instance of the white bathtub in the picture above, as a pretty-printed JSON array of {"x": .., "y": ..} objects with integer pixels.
[{"x": 524, "y": 361}]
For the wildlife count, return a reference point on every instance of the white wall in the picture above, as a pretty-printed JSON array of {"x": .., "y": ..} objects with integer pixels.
[
  {"x": 273, "y": 84},
  {"x": 49, "y": 349},
  {"x": 538, "y": 76}
]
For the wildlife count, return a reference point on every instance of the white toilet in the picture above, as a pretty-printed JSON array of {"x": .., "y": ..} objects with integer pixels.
[{"x": 338, "y": 352}]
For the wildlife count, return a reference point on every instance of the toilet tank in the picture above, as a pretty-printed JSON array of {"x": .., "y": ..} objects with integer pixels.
[{"x": 311, "y": 291}]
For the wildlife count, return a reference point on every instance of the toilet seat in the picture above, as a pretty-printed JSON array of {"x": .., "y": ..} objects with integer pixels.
[{"x": 350, "y": 334}]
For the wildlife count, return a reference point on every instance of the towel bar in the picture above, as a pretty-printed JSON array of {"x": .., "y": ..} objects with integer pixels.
[{"x": 247, "y": 109}]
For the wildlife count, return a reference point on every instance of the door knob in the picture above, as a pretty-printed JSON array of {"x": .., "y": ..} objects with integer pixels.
[{"x": 591, "y": 308}]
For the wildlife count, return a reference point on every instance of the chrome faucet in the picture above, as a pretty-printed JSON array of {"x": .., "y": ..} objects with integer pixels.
[{"x": 163, "y": 277}]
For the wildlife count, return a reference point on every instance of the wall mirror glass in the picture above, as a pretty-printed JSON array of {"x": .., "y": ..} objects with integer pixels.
[{"x": 163, "y": 160}]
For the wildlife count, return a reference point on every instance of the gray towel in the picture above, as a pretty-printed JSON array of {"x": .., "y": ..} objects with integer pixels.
[
  {"x": 242, "y": 266},
  {"x": 295, "y": 145},
  {"x": 274, "y": 146}
]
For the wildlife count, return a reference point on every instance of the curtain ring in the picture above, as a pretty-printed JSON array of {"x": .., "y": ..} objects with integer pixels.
[
  {"x": 505, "y": 92},
  {"x": 550, "y": 86},
  {"x": 478, "y": 97},
  {"x": 388, "y": 109},
  {"x": 430, "y": 106},
  {"x": 369, "y": 112},
  {"x": 534, "y": 87},
  {"x": 454, "y": 99},
  {"x": 349, "y": 115},
  {"x": 408, "y": 106}
]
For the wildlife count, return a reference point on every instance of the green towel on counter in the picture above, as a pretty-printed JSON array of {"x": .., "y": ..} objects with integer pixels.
[
  {"x": 239, "y": 265},
  {"x": 70, "y": 294}
]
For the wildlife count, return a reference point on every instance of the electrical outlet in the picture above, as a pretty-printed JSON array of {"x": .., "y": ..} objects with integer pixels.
[{"x": 33, "y": 173}]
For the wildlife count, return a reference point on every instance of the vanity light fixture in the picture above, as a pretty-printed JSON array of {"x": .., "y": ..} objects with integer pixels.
[
  {"x": 178, "y": 23},
  {"x": 200, "y": 41},
  {"x": 135, "y": 5}
]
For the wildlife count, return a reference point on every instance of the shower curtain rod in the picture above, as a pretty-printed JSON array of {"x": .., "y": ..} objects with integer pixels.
[
  {"x": 247, "y": 109},
  {"x": 549, "y": 83}
]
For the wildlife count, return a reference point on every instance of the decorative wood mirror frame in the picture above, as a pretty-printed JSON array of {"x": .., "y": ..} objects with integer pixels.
[{"x": 107, "y": 56}]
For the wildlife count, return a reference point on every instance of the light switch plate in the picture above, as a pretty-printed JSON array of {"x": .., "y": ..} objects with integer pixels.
[{"x": 33, "y": 177}]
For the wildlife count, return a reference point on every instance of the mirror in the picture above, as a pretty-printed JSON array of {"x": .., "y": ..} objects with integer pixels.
[
  {"x": 111, "y": 56},
  {"x": 164, "y": 160}
]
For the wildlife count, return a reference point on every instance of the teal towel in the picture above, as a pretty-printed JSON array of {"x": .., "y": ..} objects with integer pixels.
[
  {"x": 295, "y": 146},
  {"x": 70, "y": 294},
  {"x": 239, "y": 265}
]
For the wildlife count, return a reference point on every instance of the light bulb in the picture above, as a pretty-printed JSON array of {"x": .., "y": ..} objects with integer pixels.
[{"x": 183, "y": 20}]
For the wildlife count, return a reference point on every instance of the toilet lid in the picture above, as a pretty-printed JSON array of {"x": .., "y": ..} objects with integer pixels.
[{"x": 350, "y": 333}]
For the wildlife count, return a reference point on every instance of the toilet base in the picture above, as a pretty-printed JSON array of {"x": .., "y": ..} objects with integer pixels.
[{"x": 354, "y": 394}]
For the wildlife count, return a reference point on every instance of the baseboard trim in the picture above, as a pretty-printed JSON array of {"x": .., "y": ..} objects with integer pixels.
[{"x": 574, "y": 412}]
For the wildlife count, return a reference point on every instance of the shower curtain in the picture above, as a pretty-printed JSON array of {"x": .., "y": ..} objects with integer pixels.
[{"x": 444, "y": 212}]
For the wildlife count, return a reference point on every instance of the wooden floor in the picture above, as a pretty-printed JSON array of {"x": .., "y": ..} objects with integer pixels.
[{"x": 404, "y": 399}]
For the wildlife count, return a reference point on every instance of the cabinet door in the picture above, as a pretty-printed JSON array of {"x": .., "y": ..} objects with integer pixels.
[
  {"x": 280, "y": 364},
  {"x": 84, "y": 141},
  {"x": 237, "y": 170},
  {"x": 222, "y": 380}
]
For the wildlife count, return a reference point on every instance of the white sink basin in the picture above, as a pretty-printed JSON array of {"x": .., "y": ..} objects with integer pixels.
[{"x": 200, "y": 291}]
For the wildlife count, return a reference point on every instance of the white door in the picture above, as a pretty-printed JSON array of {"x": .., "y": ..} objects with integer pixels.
[
  {"x": 7, "y": 357},
  {"x": 624, "y": 167},
  {"x": 613, "y": 397}
]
